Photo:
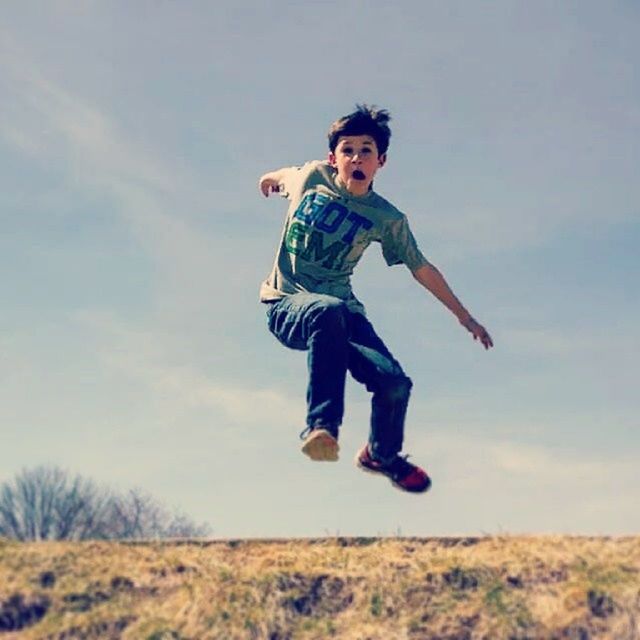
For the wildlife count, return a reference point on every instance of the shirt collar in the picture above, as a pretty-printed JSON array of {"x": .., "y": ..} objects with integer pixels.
[{"x": 342, "y": 188}]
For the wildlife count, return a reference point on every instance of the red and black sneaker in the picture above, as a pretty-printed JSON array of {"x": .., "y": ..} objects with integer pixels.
[{"x": 403, "y": 474}]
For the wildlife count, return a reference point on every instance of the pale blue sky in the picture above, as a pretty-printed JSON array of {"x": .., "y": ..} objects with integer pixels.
[{"x": 133, "y": 240}]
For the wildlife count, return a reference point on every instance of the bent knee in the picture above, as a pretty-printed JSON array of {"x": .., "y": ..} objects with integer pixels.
[
  {"x": 331, "y": 314},
  {"x": 397, "y": 388}
]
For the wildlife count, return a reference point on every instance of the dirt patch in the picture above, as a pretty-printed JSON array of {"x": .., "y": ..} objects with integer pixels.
[
  {"x": 81, "y": 602},
  {"x": 279, "y": 634},
  {"x": 166, "y": 634},
  {"x": 515, "y": 582},
  {"x": 96, "y": 594},
  {"x": 314, "y": 595},
  {"x": 19, "y": 612},
  {"x": 600, "y": 604},
  {"x": 457, "y": 580},
  {"x": 539, "y": 573},
  {"x": 121, "y": 583},
  {"x": 166, "y": 572},
  {"x": 454, "y": 632},
  {"x": 461, "y": 579},
  {"x": 47, "y": 579},
  {"x": 356, "y": 542},
  {"x": 103, "y": 630},
  {"x": 573, "y": 632},
  {"x": 448, "y": 543}
]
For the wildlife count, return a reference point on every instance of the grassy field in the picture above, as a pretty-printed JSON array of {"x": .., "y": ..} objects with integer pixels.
[{"x": 552, "y": 587}]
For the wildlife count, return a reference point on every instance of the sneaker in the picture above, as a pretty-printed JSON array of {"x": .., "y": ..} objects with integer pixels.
[
  {"x": 320, "y": 444},
  {"x": 403, "y": 474}
]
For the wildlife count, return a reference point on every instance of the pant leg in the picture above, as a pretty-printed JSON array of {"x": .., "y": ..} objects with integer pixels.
[
  {"x": 371, "y": 363},
  {"x": 317, "y": 324}
]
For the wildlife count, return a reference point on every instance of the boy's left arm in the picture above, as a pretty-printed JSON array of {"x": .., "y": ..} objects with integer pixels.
[{"x": 432, "y": 280}]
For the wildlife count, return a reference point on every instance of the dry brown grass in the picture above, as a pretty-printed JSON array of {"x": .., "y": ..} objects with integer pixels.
[{"x": 356, "y": 588}]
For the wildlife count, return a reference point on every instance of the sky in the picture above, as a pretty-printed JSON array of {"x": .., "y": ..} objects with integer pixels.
[{"x": 133, "y": 240}]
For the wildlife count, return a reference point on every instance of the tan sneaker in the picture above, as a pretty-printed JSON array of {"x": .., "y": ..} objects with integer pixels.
[{"x": 320, "y": 445}]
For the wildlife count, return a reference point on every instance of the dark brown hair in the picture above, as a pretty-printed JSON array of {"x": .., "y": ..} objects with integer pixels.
[{"x": 365, "y": 120}]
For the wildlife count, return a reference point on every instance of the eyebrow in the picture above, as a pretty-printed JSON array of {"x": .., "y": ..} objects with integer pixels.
[{"x": 345, "y": 142}]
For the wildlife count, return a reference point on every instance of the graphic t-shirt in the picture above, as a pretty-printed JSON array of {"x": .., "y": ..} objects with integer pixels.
[{"x": 326, "y": 231}]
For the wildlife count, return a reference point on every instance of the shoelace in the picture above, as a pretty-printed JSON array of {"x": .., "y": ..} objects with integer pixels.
[
  {"x": 305, "y": 432},
  {"x": 401, "y": 466}
]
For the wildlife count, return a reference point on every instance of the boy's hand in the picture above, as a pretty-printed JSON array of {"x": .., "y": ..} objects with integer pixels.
[
  {"x": 269, "y": 185},
  {"x": 478, "y": 331}
]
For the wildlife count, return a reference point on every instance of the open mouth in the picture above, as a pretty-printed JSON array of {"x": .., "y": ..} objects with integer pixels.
[{"x": 358, "y": 175}]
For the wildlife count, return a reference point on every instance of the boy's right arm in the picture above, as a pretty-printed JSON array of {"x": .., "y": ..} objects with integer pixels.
[{"x": 270, "y": 182}]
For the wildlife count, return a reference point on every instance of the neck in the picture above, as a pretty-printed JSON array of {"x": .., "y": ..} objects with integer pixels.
[{"x": 356, "y": 187}]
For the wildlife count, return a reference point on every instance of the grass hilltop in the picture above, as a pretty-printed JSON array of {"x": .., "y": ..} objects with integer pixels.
[{"x": 554, "y": 587}]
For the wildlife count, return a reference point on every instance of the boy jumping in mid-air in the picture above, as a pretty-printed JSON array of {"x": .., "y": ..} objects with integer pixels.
[{"x": 334, "y": 215}]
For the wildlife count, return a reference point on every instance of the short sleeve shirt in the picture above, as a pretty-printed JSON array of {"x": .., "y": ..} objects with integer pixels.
[{"x": 326, "y": 231}]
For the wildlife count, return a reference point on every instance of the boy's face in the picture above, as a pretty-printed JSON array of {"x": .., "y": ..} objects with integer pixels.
[{"x": 356, "y": 159}]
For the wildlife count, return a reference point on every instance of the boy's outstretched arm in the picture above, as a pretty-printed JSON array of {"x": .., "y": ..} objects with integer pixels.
[
  {"x": 270, "y": 182},
  {"x": 432, "y": 280}
]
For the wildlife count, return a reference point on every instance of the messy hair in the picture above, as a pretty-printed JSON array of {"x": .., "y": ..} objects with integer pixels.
[{"x": 365, "y": 120}]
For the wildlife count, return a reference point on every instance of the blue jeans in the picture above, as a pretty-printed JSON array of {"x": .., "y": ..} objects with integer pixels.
[{"x": 338, "y": 340}]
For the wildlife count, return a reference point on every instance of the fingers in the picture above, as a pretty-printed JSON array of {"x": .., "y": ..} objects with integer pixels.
[
  {"x": 268, "y": 187},
  {"x": 486, "y": 340},
  {"x": 265, "y": 186},
  {"x": 478, "y": 331}
]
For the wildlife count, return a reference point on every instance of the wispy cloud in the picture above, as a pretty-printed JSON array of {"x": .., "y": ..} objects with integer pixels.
[
  {"x": 193, "y": 389},
  {"x": 475, "y": 229},
  {"x": 548, "y": 466},
  {"x": 59, "y": 128},
  {"x": 509, "y": 461},
  {"x": 571, "y": 341},
  {"x": 145, "y": 357},
  {"x": 156, "y": 198},
  {"x": 45, "y": 119}
]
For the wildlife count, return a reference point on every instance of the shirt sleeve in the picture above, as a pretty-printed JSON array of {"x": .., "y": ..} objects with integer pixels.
[
  {"x": 293, "y": 177},
  {"x": 400, "y": 247}
]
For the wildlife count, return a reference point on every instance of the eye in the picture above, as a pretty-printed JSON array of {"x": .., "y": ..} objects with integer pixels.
[{"x": 347, "y": 150}]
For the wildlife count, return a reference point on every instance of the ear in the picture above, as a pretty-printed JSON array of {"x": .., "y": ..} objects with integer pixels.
[
  {"x": 332, "y": 158},
  {"x": 381, "y": 160}
]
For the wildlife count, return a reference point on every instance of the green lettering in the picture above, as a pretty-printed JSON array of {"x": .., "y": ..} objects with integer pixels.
[{"x": 294, "y": 240}]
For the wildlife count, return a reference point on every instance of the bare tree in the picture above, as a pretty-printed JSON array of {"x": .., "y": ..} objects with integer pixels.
[
  {"x": 46, "y": 503},
  {"x": 138, "y": 515}
]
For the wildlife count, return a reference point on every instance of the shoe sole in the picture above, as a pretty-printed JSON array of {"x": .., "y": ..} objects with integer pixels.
[
  {"x": 321, "y": 446},
  {"x": 394, "y": 484}
]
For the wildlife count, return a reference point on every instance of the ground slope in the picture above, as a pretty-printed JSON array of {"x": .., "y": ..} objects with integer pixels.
[{"x": 348, "y": 588}]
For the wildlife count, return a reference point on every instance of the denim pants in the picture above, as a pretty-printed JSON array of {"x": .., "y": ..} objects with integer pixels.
[{"x": 338, "y": 340}]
